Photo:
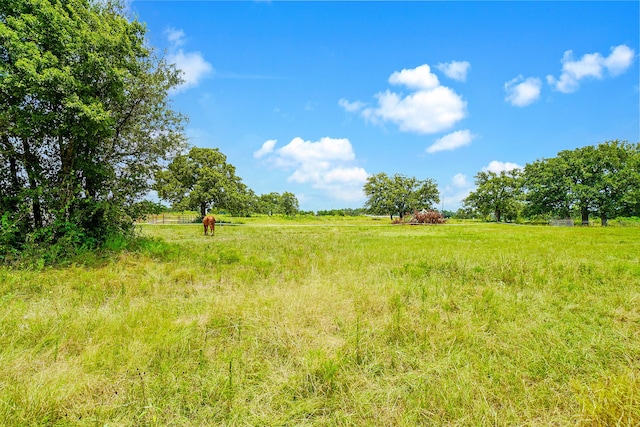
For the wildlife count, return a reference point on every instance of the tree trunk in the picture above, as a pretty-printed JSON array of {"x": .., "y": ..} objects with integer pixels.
[
  {"x": 585, "y": 216},
  {"x": 603, "y": 219},
  {"x": 67, "y": 160},
  {"x": 498, "y": 215},
  {"x": 15, "y": 184},
  {"x": 203, "y": 209},
  {"x": 13, "y": 166},
  {"x": 31, "y": 166}
]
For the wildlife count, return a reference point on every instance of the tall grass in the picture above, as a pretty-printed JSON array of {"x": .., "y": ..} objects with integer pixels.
[{"x": 272, "y": 323}]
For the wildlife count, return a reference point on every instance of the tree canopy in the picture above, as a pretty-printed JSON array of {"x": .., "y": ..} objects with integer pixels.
[
  {"x": 200, "y": 180},
  {"x": 84, "y": 119},
  {"x": 497, "y": 194},
  {"x": 399, "y": 194},
  {"x": 601, "y": 180},
  {"x": 276, "y": 203}
]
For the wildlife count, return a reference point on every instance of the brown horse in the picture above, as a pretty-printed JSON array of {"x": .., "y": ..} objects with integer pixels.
[{"x": 209, "y": 222}]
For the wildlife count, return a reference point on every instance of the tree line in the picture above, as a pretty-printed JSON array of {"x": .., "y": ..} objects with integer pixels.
[{"x": 601, "y": 180}]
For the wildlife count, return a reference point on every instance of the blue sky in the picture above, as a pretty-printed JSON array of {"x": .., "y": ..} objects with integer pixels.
[{"x": 313, "y": 97}]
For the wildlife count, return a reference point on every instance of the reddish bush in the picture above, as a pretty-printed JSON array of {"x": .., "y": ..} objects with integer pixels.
[{"x": 426, "y": 217}]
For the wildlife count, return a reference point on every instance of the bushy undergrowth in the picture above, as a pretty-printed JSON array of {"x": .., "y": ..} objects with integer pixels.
[
  {"x": 70, "y": 250},
  {"x": 62, "y": 241},
  {"x": 330, "y": 323}
]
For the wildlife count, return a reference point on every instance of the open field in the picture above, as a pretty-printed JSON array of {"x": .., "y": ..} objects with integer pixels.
[{"x": 348, "y": 322}]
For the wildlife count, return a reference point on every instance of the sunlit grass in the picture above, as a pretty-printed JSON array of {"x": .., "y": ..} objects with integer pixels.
[{"x": 339, "y": 322}]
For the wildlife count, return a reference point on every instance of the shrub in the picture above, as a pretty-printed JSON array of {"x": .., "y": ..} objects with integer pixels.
[{"x": 426, "y": 217}]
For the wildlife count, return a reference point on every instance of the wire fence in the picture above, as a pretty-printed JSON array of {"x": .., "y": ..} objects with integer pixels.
[
  {"x": 561, "y": 222},
  {"x": 170, "y": 219}
]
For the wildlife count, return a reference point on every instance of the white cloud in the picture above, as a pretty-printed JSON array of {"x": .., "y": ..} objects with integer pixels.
[
  {"x": 429, "y": 108},
  {"x": 521, "y": 92},
  {"x": 591, "y": 65},
  {"x": 326, "y": 164},
  {"x": 420, "y": 78},
  {"x": 421, "y": 112},
  {"x": 619, "y": 60},
  {"x": 452, "y": 141},
  {"x": 351, "y": 107},
  {"x": 341, "y": 174},
  {"x": 327, "y": 149},
  {"x": 460, "y": 180},
  {"x": 175, "y": 36},
  {"x": 192, "y": 65},
  {"x": 454, "y": 193},
  {"x": 456, "y": 70},
  {"x": 266, "y": 148},
  {"x": 498, "y": 166}
]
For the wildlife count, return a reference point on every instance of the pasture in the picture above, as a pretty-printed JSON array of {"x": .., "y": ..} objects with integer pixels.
[{"x": 332, "y": 322}]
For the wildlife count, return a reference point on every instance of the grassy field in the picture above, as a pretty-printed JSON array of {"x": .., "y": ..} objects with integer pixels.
[{"x": 332, "y": 321}]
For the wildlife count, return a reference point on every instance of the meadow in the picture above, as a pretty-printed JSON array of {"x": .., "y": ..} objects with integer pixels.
[{"x": 329, "y": 322}]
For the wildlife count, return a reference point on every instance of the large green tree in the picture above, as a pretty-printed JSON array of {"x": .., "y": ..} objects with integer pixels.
[
  {"x": 497, "y": 193},
  {"x": 546, "y": 186},
  {"x": 276, "y": 203},
  {"x": 631, "y": 199},
  {"x": 289, "y": 203},
  {"x": 399, "y": 194},
  {"x": 269, "y": 203},
  {"x": 84, "y": 119},
  {"x": 601, "y": 180},
  {"x": 200, "y": 180},
  {"x": 617, "y": 178}
]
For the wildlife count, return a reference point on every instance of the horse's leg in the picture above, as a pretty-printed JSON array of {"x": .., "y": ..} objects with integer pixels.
[{"x": 205, "y": 229}]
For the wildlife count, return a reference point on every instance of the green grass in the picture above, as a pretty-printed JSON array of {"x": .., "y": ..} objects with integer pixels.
[{"x": 338, "y": 322}]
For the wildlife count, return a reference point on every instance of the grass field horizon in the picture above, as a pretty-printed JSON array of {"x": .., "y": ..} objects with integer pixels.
[{"x": 350, "y": 322}]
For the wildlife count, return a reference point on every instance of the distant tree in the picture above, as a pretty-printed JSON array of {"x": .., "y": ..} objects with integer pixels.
[
  {"x": 399, "y": 194},
  {"x": 332, "y": 212},
  {"x": 84, "y": 120},
  {"x": 200, "y": 180},
  {"x": 601, "y": 179},
  {"x": 289, "y": 203},
  {"x": 547, "y": 188},
  {"x": 465, "y": 213},
  {"x": 276, "y": 203},
  {"x": 378, "y": 192},
  {"x": 448, "y": 214},
  {"x": 631, "y": 199},
  {"x": 582, "y": 176},
  {"x": 341, "y": 212},
  {"x": 616, "y": 180},
  {"x": 497, "y": 193},
  {"x": 269, "y": 203}
]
